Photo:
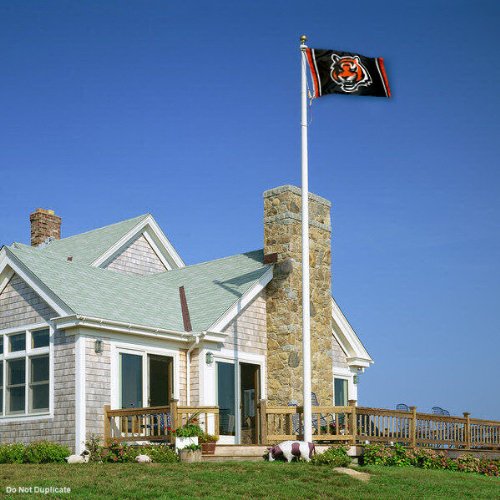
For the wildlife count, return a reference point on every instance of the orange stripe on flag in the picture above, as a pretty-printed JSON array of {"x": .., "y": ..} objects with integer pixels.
[
  {"x": 313, "y": 72},
  {"x": 384, "y": 76}
]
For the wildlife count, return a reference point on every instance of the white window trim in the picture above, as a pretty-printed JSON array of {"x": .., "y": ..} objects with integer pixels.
[
  {"x": 208, "y": 381},
  {"x": 143, "y": 351},
  {"x": 27, "y": 354},
  {"x": 347, "y": 374}
]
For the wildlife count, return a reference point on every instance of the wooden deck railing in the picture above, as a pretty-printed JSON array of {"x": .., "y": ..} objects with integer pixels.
[
  {"x": 156, "y": 423},
  {"x": 331, "y": 424},
  {"x": 359, "y": 425}
]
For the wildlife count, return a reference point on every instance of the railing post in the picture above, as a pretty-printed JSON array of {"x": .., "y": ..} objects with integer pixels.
[
  {"x": 413, "y": 427},
  {"x": 107, "y": 425},
  {"x": 263, "y": 421},
  {"x": 354, "y": 421},
  {"x": 174, "y": 416},
  {"x": 467, "y": 430}
]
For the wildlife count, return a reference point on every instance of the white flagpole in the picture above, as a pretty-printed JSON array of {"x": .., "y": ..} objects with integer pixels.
[{"x": 306, "y": 317}]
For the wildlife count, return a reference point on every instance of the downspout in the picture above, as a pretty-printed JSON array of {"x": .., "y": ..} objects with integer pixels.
[
  {"x": 196, "y": 341},
  {"x": 188, "y": 369}
]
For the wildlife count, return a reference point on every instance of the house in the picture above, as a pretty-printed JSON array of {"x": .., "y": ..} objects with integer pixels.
[{"x": 114, "y": 317}]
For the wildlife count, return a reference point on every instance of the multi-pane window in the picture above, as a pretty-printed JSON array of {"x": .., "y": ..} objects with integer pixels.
[{"x": 25, "y": 372}]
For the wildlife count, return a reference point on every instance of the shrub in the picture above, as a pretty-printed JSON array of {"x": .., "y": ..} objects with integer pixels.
[
  {"x": 468, "y": 463},
  {"x": 427, "y": 459},
  {"x": 94, "y": 447},
  {"x": 189, "y": 430},
  {"x": 118, "y": 453},
  {"x": 43, "y": 452},
  {"x": 161, "y": 453},
  {"x": 192, "y": 447},
  {"x": 335, "y": 456},
  {"x": 376, "y": 454},
  {"x": 208, "y": 438},
  {"x": 489, "y": 467},
  {"x": 12, "y": 453},
  {"x": 39, "y": 452}
]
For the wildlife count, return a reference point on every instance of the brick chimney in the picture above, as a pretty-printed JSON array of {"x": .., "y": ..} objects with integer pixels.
[
  {"x": 282, "y": 235},
  {"x": 44, "y": 224}
]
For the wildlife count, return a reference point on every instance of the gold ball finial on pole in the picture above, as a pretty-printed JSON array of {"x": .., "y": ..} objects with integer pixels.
[{"x": 303, "y": 39}]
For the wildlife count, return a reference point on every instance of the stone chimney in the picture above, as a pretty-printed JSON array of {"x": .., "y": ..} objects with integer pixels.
[
  {"x": 282, "y": 235},
  {"x": 44, "y": 224}
]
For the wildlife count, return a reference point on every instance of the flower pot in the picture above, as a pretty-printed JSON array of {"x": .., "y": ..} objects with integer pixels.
[
  {"x": 208, "y": 448},
  {"x": 190, "y": 455},
  {"x": 182, "y": 442}
]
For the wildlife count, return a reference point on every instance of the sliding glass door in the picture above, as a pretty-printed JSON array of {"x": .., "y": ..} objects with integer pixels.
[
  {"x": 131, "y": 380},
  {"x": 145, "y": 380},
  {"x": 238, "y": 394},
  {"x": 226, "y": 399}
]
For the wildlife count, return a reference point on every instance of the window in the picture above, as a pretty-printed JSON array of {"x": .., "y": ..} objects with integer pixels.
[
  {"x": 40, "y": 338},
  {"x": 17, "y": 342},
  {"x": 16, "y": 383},
  {"x": 39, "y": 383},
  {"x": 340, "y": 392},
  {"x": 25, "y": 372}
]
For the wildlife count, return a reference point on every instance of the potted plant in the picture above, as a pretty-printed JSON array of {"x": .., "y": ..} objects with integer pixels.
[
  {"x": 208, "y": 443},
  {"x": 191, "y": 453},
  {"x": 187, "y": 435}
]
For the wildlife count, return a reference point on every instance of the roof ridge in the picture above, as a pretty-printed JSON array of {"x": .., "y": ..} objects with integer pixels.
[{"x": 206, "y": 263}]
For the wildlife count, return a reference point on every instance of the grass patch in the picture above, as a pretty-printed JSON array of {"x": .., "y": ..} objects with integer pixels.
[{"x": 244, "y": 479}]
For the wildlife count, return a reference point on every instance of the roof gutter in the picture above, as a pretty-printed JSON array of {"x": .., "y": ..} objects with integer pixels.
[{"x": 66, "y": 322}]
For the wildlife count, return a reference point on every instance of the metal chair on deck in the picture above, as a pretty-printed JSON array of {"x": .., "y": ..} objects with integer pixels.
[
  {"x": 437, "y": 410},
  {"x": 403, "y": 427},
  {"x": 296, "y": 417}
]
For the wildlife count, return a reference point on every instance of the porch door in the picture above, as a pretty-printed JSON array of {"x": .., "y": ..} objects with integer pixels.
[
  {"x": 249, "y": 398},
  {"x": 226, "y": 400},
  {"x": 160, "y": 371}
]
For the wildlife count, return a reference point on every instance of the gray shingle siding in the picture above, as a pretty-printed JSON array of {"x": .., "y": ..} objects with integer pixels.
[
  {"x": 247, "y": 332},
  {"x": 20, "y": 306},
  {"x": 97, "y": 385},
  {"x": 137, "y": 258}
]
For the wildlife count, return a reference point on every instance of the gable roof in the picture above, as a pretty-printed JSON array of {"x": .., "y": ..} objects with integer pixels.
[
  {"x": 86, "y": 247},
  {"x": 150, "y": 301}
]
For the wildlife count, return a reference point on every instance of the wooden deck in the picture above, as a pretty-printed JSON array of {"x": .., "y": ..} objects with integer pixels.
[{"x": 350, "y": 425}]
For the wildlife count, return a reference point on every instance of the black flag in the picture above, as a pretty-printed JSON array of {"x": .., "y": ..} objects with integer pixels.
[{"x": 335, "y": 72}]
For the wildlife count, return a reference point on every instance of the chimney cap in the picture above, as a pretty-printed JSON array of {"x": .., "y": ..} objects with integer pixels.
[
  {"x": 44, "y": 211},
  {"x": 296, "y": 190}
]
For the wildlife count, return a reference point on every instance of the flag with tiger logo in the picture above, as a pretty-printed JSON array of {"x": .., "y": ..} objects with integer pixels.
[{"x": 335, "y": 72}]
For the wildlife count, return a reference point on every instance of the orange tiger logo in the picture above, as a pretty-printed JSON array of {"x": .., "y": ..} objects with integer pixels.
[{"x": 349, "y": 73}]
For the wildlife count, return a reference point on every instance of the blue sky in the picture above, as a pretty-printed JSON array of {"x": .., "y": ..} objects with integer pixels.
[{"x": 190, "y": 110}]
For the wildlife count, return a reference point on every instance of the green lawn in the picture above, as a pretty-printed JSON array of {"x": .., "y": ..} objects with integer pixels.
[{"x": 251, "y": 480}]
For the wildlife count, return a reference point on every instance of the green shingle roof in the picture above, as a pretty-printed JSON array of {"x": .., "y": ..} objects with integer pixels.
[
  {"x": 153, "y": 301},
  {"x": 86, "y": 247}
]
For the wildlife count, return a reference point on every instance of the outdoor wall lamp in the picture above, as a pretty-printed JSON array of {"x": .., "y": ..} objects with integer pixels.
[
  {"x": 98, "y": 346},
  {"x": 209, "y": 358}
]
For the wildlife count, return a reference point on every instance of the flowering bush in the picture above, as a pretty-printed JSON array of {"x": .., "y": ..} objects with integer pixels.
[
  {"x": 425, "y": 458},
  {"x": 117, "y": 453}
]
